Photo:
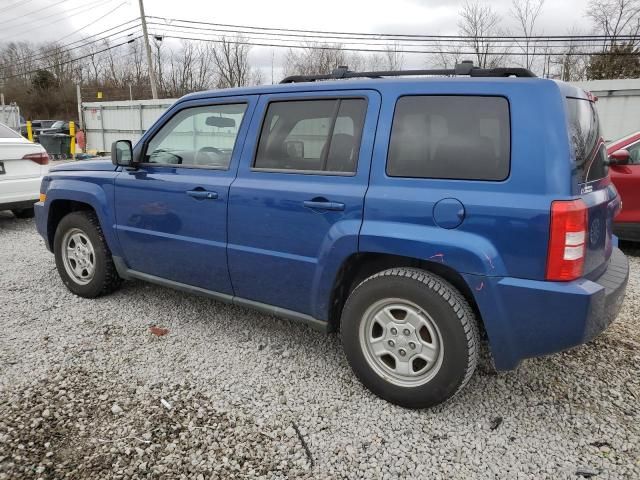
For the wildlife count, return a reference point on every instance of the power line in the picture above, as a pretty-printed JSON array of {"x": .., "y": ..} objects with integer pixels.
[
  {"x": 33, "y": 11},
  {"x": 21, "y": 3},
  {"x": 73, "y": 60},
  {"x": 260, "y": 36},
  {"x": 362, "y": 50},
  {"x": 92, "y": 22},
  {"x": 325, "y": 33},
  {"x": 65, "y": 16},
  {"x": 130, "y": 30}
]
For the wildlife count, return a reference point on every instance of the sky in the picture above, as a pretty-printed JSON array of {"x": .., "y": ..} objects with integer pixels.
[{"x": 60, "y": 20}]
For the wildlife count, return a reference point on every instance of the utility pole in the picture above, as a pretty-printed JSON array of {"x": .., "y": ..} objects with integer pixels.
[
  {"x": 152, "y": 74},
  {"x": 79, "y": 100}
]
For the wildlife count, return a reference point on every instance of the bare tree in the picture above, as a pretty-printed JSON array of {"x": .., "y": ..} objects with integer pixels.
[
  {"x": 479, "y": 22},
  {"x": 314, "y": 58},
  {"x": 231, "y": 59},
  {"x": 572, "y": 67},
  {"x": 526, "y": 13},
  {"x": 394, "y": 57},
  {"x": 447, "y": 56},
  {"x": 614, "y": 18}
]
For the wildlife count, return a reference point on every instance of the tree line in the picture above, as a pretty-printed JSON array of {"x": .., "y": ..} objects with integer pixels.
[{"x": 41, "y": 77}]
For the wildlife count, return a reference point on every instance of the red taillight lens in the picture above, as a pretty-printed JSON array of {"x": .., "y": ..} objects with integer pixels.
[
  {"x": 567, "y": 238},
  {"x": 40, "y": 158}
]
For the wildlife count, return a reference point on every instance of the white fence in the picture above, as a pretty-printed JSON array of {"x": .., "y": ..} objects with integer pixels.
[
  {"x": 106, "y": 122},
  {"x": 10, "y": 116},
  {"x": 618, "y": 105}
]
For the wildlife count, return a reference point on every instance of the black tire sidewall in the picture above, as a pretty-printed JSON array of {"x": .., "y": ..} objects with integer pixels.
[
  {"x": 455, "y": 342},
  {"x": 24, "y": 213},
  {"x": 81, "y": 221}
]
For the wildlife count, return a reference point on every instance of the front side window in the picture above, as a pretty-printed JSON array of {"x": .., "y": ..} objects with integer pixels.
[
  {"x": 450, "y": 137},
  {"x": 198, "y": 137},
  {"x": 312, "y": 135},
  {"x": 634, "y": 153}
]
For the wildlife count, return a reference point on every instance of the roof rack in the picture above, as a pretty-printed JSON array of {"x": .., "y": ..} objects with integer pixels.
[{"x": 464, "y": 68}]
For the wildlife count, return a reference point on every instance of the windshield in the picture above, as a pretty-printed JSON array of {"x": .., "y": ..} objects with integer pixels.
[
  {"x": 586, "y": 140},
  {"x": 6, "y": 132},
  {"x": 58, "y": 124}
]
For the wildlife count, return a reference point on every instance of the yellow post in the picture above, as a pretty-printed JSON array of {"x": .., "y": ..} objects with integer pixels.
[
  {"x": 72, "y": 132},
  {"x": 29, "y": 131}
]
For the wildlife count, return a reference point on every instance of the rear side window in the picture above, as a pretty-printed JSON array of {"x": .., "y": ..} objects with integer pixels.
[
  {"x": 454, "y": 137},
  {"x": 312, "y": 135},
  {"x": 6, "y": 132},
  {"x": 586, "y": 142}
]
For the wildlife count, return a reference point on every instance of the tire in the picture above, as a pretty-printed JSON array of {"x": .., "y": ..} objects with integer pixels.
[
  {"x": 82, "y": 231},
  {"x": 440, "y": 349},
  {"x": 24, "y": 212}
]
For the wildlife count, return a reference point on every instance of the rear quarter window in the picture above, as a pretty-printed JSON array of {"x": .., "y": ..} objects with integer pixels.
[
  {"x": 6, "y": 132},
  {"x": 450, "y": 137},
  {"x": 586, "y": 140}
]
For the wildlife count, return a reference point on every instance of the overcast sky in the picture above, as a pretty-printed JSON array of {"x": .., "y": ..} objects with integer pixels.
[{"x": 51, "y": 20}]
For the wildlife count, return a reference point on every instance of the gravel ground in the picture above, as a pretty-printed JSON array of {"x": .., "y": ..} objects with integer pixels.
[{"x": 89, "y": 389}]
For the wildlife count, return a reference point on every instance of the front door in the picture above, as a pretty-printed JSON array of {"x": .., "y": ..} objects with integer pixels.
[
  {"x": 295, "y": 208},
  {"x": 171, "y": 212}
]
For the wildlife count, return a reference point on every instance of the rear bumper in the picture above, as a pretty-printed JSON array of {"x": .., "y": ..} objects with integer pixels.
[
  {"x": 530, "y": 318},
  {"x": 17, "y": 191},
  {"x": 627, "y": 231}
]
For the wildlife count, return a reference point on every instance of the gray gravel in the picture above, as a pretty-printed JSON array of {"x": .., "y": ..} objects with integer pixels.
[{"x": 88, "y": 391}]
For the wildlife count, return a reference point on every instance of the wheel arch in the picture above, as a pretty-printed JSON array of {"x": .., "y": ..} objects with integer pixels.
[
  {"x": 362, "y": 265},
  {"x": 60, "y": 208}
]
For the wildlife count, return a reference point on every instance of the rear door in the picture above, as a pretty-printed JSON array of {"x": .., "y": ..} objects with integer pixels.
[
  {"x": 295, "y": 209},
  {"x": 171, "y": 212}
]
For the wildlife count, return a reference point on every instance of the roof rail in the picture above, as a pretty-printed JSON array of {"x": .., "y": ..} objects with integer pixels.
[{"x": 464, "y": 68}]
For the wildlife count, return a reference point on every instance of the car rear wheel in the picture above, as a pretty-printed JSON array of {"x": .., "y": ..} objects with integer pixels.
[
  {"x": 24, "y": 212},
  {"x": 410, "y": 337},
  {"x": 83, "y": 258}
]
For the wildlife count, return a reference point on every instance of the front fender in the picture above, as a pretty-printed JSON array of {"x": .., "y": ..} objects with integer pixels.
[
  {"x": 465, "y": 252},
  {"x": 96, "y": 192}
]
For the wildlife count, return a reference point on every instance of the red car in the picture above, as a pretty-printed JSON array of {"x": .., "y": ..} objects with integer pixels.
[{"x": 624, "y": 155}]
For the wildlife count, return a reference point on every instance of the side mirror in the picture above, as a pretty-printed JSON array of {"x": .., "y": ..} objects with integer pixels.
[
  {"x": 122, "y": 153},
  {"x": 619, "y": 157}
]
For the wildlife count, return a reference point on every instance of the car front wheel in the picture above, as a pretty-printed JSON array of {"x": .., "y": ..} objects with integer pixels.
[
  {"x": 410, "y": 337},
  {"x": 83, "y": 258}
]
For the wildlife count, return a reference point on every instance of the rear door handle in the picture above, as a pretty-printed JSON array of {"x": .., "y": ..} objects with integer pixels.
[
  {"x": 202, "y": 194},
  {"x": 324, "y": 205}
]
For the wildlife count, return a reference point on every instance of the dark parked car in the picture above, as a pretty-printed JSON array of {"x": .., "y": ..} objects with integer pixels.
[
  {"x": 38, "y": 126},
  {"x": 59, "y": 126},
  {"x": 411, "y": 214}
]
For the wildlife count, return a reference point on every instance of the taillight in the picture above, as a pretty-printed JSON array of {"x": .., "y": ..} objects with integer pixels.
[
  {"x": 41, "y": 158},
  {"x": 567, "y": 236}
]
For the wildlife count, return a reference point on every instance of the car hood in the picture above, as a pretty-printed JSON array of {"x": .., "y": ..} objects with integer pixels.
[{"x": 86, "y": 166}]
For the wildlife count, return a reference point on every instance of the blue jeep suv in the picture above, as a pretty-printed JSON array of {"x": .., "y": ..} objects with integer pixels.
[{"x": 415, "y": 215}]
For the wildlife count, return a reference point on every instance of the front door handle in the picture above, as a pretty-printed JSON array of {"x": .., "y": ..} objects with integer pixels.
[
  {"x": 323, "y": 205},
  {"x": 202, "y": 194}
]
